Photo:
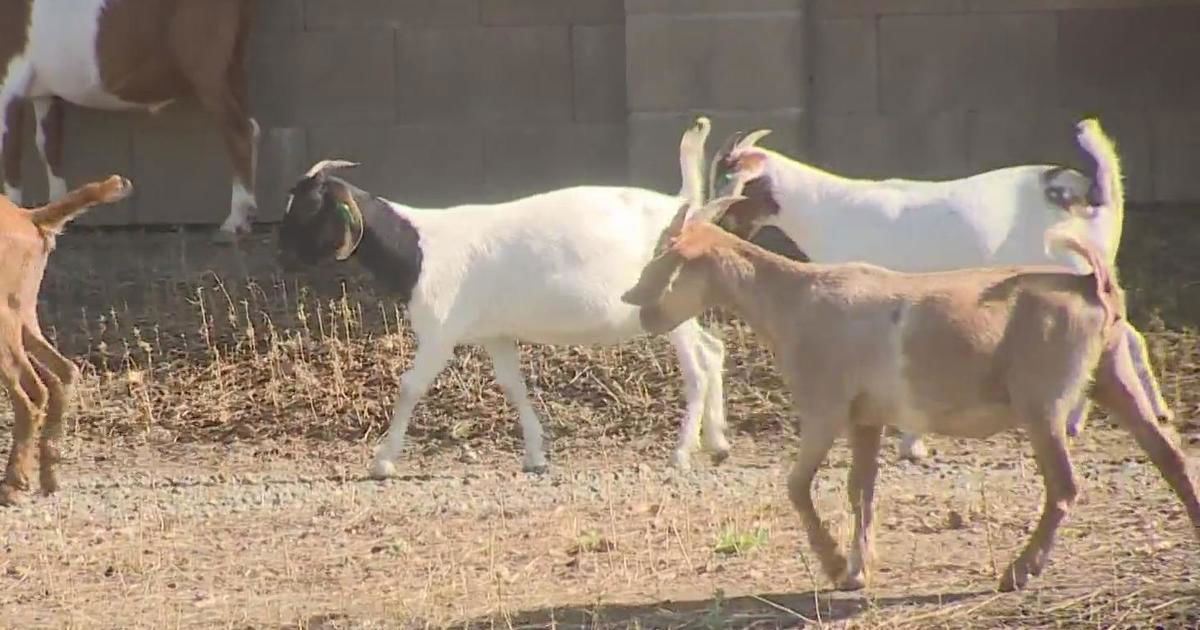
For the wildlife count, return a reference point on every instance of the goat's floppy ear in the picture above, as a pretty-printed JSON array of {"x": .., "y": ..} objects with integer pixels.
[
  {"x": 352, "y": 219},
  {"x": 656, "y": 277},
  {"x": 324, "y": 166}
]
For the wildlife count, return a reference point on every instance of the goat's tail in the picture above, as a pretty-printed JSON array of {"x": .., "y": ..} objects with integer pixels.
[
  {"x": 691, "y": 160},
  {"x": 1067, "y": 235},
  {"x": 1107, "y": 191},
  {"x": 53, "y": 216}
]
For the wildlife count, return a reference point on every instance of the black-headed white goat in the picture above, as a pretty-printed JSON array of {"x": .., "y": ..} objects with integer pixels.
[{"x": 547, "y": 268}]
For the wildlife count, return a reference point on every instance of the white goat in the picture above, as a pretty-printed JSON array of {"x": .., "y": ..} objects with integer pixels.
[
  {"x": 965, "y": 353},
  {"x": 548, "y": 268},
  {"x": 990, "y": 219}
]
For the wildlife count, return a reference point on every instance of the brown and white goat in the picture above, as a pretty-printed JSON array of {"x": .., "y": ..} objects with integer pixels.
[
  {"x": 965, "y": 353},
  {"x": 39, "y": 389},
  {"x": 126, "y": 54}
]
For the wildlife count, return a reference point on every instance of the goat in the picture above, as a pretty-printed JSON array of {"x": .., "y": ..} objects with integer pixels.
[
  {"x": 965, "y": 353},
  {"x": 126, "y": 54},
  {"x": 546, "y": 268},
  {"x": 993, "y": 218},
  {"x": 40, "y": 389}
]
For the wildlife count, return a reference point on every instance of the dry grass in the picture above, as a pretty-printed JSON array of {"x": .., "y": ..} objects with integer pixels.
[{"x": 204, "y": 362}]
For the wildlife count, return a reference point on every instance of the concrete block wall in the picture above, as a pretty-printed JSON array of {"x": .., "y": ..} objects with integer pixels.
[{"x": 452, "y": 101}]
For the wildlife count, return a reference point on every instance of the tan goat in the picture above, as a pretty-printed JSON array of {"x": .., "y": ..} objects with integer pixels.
[
  {"x": 965, "y": 353},
  {"x": 40, "y": 389}
]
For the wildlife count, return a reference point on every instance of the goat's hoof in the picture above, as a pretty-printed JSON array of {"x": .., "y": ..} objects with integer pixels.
[
  {"x": 48, "y": 482},
  {"x": 913, "y": 450},
  {"x": 382, "y": 469},
  {"x": 535, "y": 469},
  {"x": 1014, "y": 579},
  {"x": 229, "y": 237},
  {"x": 681, "y": 461},
  {"x": 854, "y": 582},
  {"x": 10, "y": 496},
  {"x": 719, "y": 456}
]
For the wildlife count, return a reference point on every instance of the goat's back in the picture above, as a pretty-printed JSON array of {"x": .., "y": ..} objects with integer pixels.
[{"x": 23, "y": 254}]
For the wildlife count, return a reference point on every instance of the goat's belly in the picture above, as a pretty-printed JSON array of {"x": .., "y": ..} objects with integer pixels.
[{"x": 976, "y": 422}]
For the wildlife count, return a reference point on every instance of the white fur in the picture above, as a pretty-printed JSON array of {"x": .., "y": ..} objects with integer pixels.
[
  {"x": 995, "y": 218},
  {"x": 550, "y": 268}
]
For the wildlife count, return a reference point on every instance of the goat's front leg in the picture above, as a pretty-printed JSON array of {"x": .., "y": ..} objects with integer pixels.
[
  {"x": 48, "y": 110},
  {"x": 1139, "y": 357},
  {"x": 864, "y": 468},
  {"x": 12, "y": 114},
  {"x": 713, "y": 424},
  {"x": 28, "y": 396},
  {"x": 507, "y": 364},
  {"x": 816, "y": 438},
  {"x": 428, "y": 363},
  {"x": 1118, "y": 389},
  {"x": 59, "y": 375},
  {"x": 1049, "y": 440}
]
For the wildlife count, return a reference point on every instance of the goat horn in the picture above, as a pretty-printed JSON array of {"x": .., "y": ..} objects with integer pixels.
[
  {"x": 325, "y": 165},
  {"x": 752, "y": 138}
]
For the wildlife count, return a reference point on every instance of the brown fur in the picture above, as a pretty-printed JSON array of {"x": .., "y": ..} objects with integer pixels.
[
  {"x": 963, "y": 353},
  {"x": 38, "y": 379}
]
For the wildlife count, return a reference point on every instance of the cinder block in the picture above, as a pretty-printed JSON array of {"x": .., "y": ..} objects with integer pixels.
[
  {"x": 1176, "y": 156},
  {"x": 532, "y": 12},
  {"x": 654, "y": 141},
  {"x": 180, "y": 168},
  {"x": 484, "y": 74},
  {"x": 871, "y": 8},
  {"x": 735, "y": 61},
  {"x": 282, "y": 158},
  {"x": 278, "y": 15},
  {"x": 1004, "y": 6},
  {"x": 1150, "y": 60},
  {"x": 845, "y": 66},
  {"x": 323, "y": 78},
  {"x": 522, "y": 160},
  {"x": 1010, "y": 137},
  {"x": 97, "y": 144},
  {"x": 324, "y": 15},
  {"x": 943, "y": 62},
  {"x": 418, "y": 165},
  {"x": 913, "y": 146},
  {"x": 697, "y": 7},
  {"x": 599, "y": 73}
]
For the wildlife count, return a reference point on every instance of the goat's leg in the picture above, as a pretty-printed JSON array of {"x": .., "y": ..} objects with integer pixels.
[
  {"x": 1049, "y": 441},
  {"x": 864, "y": 467},
  {"x": 713, "y": 424},
  {"x": 223, "y": 95},
  {"x": 912, "y": 446},
  {"x": 12, "y": 117},
  {"x": 689, "y": 349},
  {"x": 1118, "y": 389},
  {"x": 59, "y": 375},
  {"x": 1077, "y": 417},
  {"x": 816, "y": 438},
  {"x": 27, "y": 395},
  {"x": 49, "y": 113},
  {"x": 428, "y": 363},
  {"x": 507, "y": 365},
  {"x": 1140, "y": 357}
]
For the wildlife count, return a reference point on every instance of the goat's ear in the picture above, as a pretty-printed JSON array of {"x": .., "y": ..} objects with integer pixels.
[
  {"x": 352, "y": 219},
  {"x": 715, "y": 209},
  {"x": 656, "y": 277}
]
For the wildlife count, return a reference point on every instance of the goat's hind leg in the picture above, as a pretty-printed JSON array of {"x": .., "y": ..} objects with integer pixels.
[
  {"x": 864, "y": 468},
  {"x": 27, "y": 395},
  {"x": 713, "y": 423},
  {"x": 507, "y": 364},
  {"x": 1119, "y": 390},
  {"x": 59, "y": 376},
  {"x": 1047, "y": 433},
  {"x": 690, "y": 351}
]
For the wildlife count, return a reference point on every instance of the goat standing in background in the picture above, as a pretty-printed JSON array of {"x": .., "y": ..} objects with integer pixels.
[
  {"x": 40, "y": 389},
  {"x": 126, "y": 54},
  {"x": 965, "y": 353},
  {"x": 548, "y": 268},
  {"x": 994, "y": 218}
]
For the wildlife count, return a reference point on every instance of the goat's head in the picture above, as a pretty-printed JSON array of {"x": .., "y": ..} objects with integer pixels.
[
  {"x": 321, "y": 220},
  {"x": 673, "y": 287},
  {"x": 742, "y": 165}
]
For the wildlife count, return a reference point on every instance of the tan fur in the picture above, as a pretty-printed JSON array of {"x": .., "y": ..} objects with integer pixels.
[
  {"x": 38, "y": 379},
  {"x": 963, "y": 353}
]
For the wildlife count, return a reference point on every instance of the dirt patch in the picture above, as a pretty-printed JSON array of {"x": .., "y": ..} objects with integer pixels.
[{"x": 227, "y": 413}]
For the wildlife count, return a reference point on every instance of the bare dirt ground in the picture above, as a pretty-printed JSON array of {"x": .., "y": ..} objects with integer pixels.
[{"x": 215, "y": 475}]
